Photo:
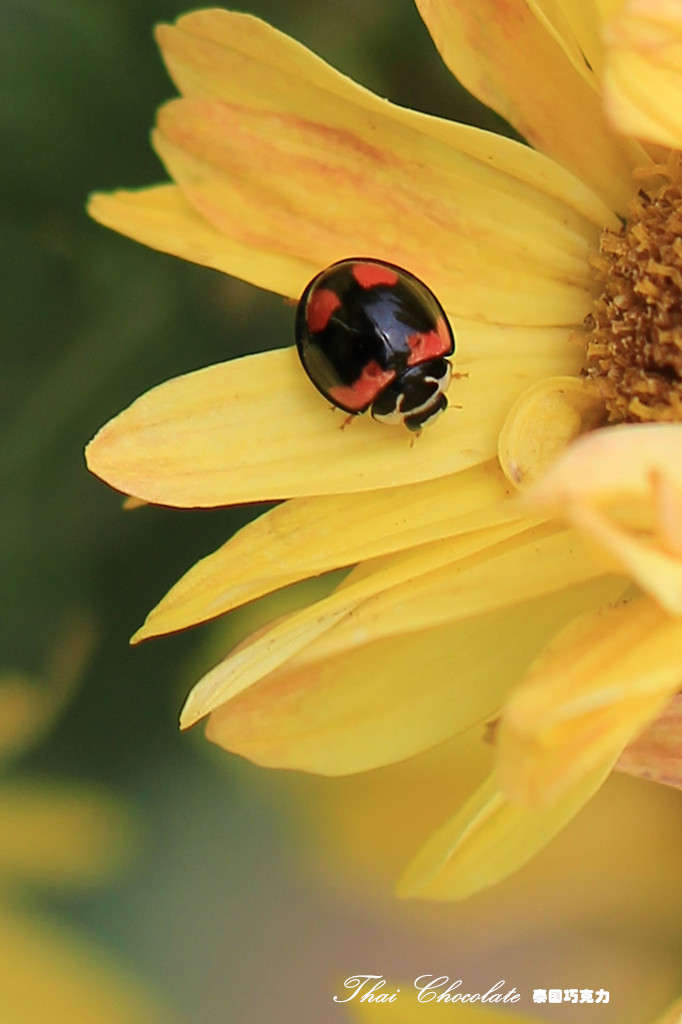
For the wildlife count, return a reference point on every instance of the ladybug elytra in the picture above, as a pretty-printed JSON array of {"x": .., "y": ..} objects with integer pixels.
[{"x": 372, "y": 336}]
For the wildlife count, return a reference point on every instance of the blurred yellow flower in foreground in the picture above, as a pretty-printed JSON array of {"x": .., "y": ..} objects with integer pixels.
[
  {"x": 57, "y": 835},
  {"x": 415, "y": 1013},
  {"x": 560, "y": 268},
  {"x": 409, "y": 1011}
]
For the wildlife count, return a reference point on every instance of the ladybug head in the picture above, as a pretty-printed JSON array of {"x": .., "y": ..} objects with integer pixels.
[{"x": 416, "y": 397}]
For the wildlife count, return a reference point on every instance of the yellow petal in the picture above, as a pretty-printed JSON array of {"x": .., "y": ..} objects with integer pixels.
[
  {"x": 376, "y": 690},
  {"x": 162, "y": 218},
  {"x": 490, "y": 247},
  {"x": 643, "y": 79},
  {"x": 623, "y": 488},
  {"x": 467, "y": 576},
  {"x": 654, "y": 570},
  {"x": 593, "y": 690},
  {"x": 389, "y": 699},
  {"x": 490, "y": 838},
  {"x": 545, "y": 94},
  {"x": 255, "y": 428},
  {"x": 377, "y": 704},
  {"x": 612, "y": 463},
  {"x": 310, "y": 536},
  {"x": 271, "y": 649},
  {"x": 577, "y": 28}
]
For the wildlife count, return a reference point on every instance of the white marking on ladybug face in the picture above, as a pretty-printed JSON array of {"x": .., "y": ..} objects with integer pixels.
[
  {"x": 441, "y": 387},
  {"x": 392, "y": 418},
  {"x": 398, "y": 414},
  {"x": 438, "y": 411},
  {"x": 444, "y": 382}
]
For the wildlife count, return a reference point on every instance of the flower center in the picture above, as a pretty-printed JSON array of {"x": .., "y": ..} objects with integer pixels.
[{"x": 634, "y": 332}]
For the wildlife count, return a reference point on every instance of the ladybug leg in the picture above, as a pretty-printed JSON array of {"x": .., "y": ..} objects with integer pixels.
[
  {"x": 347, "y": 422},
  {"x": 460, "y": 375}
]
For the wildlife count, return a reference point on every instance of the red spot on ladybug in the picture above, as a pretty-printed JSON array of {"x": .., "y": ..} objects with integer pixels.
[
  {"x": 320, "y": 308},
  {"x": 356, "y": 397},
  {"x": 373, "y": 336},
  {"x": 369, "y": 275},
  {"x": 427, "y": 346}
]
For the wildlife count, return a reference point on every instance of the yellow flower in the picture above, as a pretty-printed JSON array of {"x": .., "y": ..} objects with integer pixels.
[
  {"x": 414, "y": 1013},
  {"x": 409, "y": 1011},
  {"x": 465, "y": 599},
  {"x": 57, "y": 835}
]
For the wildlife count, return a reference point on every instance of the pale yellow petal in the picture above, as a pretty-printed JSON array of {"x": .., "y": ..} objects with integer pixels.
[
  {"x": 162, "y": 218},
  {"x": 309, "y": 536},
  {"x": 643, "y": 76},
  {"x": 623, "y": 488},
  {"x": 513, "y": 56},
  {"x": 613, "y": 463},
  {"x": 595, "y": 687},
  {"x": 471, "y": 576},
  {"x": 655, "y": 571},
  {"x": 490, "y": 838},
  {"x": 386, "y": 699},
  {"x": 256, "y": 428}
]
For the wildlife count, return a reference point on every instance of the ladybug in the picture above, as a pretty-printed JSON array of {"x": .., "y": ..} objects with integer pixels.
[{"x": 372, "y": 336}]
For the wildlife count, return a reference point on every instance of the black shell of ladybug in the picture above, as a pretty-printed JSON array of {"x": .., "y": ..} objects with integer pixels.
[{"x": 372, "y": 336}]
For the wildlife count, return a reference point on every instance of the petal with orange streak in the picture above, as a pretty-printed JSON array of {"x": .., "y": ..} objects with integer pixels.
[
  {"x": 162, "y": 218},
  {"x": 299, "y": 166},
  {"x": 509, "y": 54},
  {"x": 489, "y": 245}
]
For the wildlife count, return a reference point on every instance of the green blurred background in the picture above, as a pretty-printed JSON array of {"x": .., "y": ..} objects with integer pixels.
[{"x": 206, "y": 911}]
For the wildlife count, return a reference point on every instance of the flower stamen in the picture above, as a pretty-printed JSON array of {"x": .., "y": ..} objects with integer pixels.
[{"x": 634, "y": 332}]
